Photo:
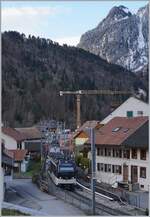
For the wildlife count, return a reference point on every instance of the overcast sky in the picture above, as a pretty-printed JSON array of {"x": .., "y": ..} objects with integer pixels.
[{"x": 61, "y": 21}]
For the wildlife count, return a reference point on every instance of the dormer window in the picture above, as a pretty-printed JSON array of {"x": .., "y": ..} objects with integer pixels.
[
  {"x": 116, "y": 129},
  {"x": 125, "y": 130}
]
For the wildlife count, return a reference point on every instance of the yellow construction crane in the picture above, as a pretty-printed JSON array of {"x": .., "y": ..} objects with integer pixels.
[{"x": 90, "y": 92}]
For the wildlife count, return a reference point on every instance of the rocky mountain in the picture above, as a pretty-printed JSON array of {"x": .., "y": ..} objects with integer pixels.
[
  {"x": 34, "y": 70},
  {"x": 121, "y": 38}
]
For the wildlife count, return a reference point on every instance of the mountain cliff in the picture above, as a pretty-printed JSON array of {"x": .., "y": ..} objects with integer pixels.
[{"x": 121, "y": 38}]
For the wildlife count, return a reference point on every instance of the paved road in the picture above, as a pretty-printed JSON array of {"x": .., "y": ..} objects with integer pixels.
[{"x": 23, "y": 192}]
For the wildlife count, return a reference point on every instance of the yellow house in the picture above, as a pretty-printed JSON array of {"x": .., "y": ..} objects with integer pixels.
[{"x": 81, "y": 136}]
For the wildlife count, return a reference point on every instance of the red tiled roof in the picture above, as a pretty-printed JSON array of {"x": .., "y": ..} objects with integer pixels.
[
  {"x": 13, "y": 133},
  {"x": 105, "y": 136},
  {"x": 30, "y": 132},
  {"x": 19, "y": 154}
]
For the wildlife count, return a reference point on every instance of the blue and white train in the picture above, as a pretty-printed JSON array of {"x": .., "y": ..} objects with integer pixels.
[{"x": 61, "y": 168}]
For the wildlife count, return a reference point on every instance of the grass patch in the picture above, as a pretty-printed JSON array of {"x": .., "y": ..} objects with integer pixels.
[
  {"x": 12, "y": 212},
  {"x": 33, "y": 168}
]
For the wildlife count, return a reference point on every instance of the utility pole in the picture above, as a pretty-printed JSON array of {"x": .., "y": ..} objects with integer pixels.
[{"x": 93, "y": 178}]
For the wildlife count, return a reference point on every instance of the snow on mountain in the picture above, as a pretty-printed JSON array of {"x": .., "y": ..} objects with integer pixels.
[{"x": 120, "y": 38}]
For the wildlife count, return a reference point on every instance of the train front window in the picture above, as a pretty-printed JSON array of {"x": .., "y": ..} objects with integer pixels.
[{"x": 66, "y": 169}]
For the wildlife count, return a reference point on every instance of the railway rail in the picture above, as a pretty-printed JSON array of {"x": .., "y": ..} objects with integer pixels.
[
  {"x": 100, "y": 208},
  {"x": 79, "y": 198},
  {"x": 103, "y": 192}
]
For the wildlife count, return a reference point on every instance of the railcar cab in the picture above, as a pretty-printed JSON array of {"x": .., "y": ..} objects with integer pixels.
[{"x": 66, "y": 170}]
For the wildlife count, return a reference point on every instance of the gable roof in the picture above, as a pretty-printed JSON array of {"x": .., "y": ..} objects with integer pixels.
[
  {"x": 30, "y": 132},
  {"x": 19, "y": 154},
  {"x": 118, "y": 130},
  {"x": 131, "y": 100},
  {"x": 13, "y": 133},
  {"x": 88, "y": 124}
]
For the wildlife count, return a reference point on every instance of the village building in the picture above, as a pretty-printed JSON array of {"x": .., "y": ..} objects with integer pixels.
[
  {"x": 12, "y": 138},
  {"x": 7, "y": 163},
  {"x": 122, "y": 156},
  {"x": 21, "y": 160},
  {"x": 14, "y": 141},
  {"x": 81, "y": 135},
  {"x": 32, "y": 139},
  {"x": 132, "y": 107}
]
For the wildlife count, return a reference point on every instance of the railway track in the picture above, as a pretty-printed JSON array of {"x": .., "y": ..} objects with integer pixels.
[
  {"x": 79, "y": 198},
  {"x": 104, "y": 192},
  {"x": 100, "y": 208}
]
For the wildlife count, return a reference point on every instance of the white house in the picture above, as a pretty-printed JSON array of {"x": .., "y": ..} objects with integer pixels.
[
  {"x": 12, "y": 138},
  {"x": 132, "y": 107},
  {"x": 7, "y": 163},
  {"x": 122, "y": 152},
  {"x": 14, "y": 141}
]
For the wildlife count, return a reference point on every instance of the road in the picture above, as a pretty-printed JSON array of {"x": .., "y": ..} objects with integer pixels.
[{"x": 23, "y": 192}]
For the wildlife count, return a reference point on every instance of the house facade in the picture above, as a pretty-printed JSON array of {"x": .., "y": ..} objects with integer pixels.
[
  {"x": 122, "y": 152},
  {"x": 21, "y": 160},
  {"x": 132, "y": 107},
  {"x": 82, "y": 134},
  {"x": 7, "y": 164},
  {"x": 14, "y": 141},
  {"x": 32, "y": 138},
  {"x": 12, "y": 138}
]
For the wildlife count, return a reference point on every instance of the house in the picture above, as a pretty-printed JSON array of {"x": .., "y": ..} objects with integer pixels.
[
  {"x": 7, "y": 164},
  {"x": 14, "y": 141},
  {"x": 132, "y": 107},
  {"x": 32, "y": 138},
  {"x": 21, "y": 159},
  {"x": 122, "y": 152},
  {"x": 82, "y": 134},
  {"x": 12, "y": 138}
]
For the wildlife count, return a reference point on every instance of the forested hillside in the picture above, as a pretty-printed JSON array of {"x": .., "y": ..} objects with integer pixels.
[{"x": 34, "y": 70}]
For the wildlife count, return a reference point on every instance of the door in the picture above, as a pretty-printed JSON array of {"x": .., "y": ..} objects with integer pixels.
[
  {"x": 125, "y": 173},
  {"x": 134, "y": 174}
]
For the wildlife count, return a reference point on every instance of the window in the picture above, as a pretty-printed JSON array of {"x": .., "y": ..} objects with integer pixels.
[
  {"x": 140, "y": 113},
  {"x": 101, "y": 167},
  {"x": 101, "y": 152},
  {"x": 107, "y": 152},
  {"x": 117, "y": 153},
  {"x": 142, "y": 172},
  {"x": 134, "y": 154},
  {"x": 116, "y": 129},
  {"x": 107, "y": 167},
  {"x": 143, "y": 155},
  {"x": 125, "y": 130},
  {"x": 129, "y": 114},
  {"x": 98, "y": 152},
  {"x": 126, "y": 154},
  {"x": 98, "y": 166},
  {"x": 116, "y": 169},
  {"x": 19, "y": 146}
]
